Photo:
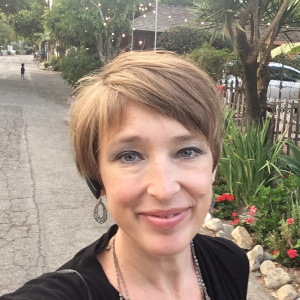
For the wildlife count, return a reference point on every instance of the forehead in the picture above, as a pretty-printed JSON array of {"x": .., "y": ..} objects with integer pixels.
[{"x": 139, "y": 121}]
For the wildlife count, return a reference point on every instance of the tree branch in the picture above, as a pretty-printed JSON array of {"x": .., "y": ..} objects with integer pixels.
[
  {"x": 244, "y": 15},
  {"x": 255, "y": 23},
  {"x": 99, "y": 9},
  {"x": 262, "y": 10},
  {"x": 274, "y": 25}
]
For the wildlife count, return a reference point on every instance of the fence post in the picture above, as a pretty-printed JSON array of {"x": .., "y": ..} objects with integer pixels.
[
  {"x": 290, "y": 127},
  {"x": 297, "y": 124},
  {"x": 285, "y": 114}
]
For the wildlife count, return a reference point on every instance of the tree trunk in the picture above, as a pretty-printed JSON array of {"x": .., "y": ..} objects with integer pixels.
[
  {"x": 264, "y": 79},
  {"x": 253, "y": 111},
  {"x": 100, "y": 49}
]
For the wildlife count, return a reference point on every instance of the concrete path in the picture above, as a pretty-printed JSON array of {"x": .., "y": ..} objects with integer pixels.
[{"x": 46, "y": 210}]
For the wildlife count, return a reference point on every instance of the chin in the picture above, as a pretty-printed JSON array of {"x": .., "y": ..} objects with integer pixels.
[{"x": 169, "y": 245}]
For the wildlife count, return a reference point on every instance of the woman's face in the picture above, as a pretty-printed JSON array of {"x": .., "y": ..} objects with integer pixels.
[{"x": 157, "y": 177}]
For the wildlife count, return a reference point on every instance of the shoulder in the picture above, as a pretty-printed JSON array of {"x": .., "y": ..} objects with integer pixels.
[
  {"x": 224, "y": 266},
  {"x": 219, "y": 247},
  {"x": 51, "y": 286},
  {"x": 62, "y": 285}
]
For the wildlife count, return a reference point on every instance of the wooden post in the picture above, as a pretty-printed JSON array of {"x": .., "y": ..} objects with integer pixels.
[{"x": 297, "y": 123}]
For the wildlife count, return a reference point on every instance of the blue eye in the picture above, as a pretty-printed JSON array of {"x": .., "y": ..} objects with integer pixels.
[
  {"x": 128, "y": 157},
  {"x": 189, "y": 152}
]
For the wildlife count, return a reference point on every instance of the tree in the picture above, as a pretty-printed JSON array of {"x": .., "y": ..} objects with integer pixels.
[
  {"x": 28, "y": 22},
  {"x": 77, "y": 64},
  {"x": 91, "y": 24},
  {"x": 13, "y": 6},
  {"x": 254, "y": 45},
  {"x": 184, "y": 39},
  {"x": 6, "y": 34},
  {"x": 213, "y": 61}
]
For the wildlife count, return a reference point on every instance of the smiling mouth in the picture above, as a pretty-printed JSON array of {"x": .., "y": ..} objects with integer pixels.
[
  {"x": 165, "y": 219},
  {"x": 165, "y": 214}
]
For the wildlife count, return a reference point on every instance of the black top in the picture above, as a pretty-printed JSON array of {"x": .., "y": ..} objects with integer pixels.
[{"x": 224, "y": 267}]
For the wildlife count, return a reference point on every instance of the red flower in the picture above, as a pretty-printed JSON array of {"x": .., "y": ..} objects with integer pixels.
[
  {"x": 253, "y": 210},
  {"x": 226, "y": 195},
  {"x": 236, "y": 221},
  {"x": 275, "y": 252},
  {"x": 290, "y": 221},
  {"x": 292, "y": 253},
  {"x": 234, "y": 214},
  {"x": 219, "y": 199},
  {"x": 230, "y": 223},
  {"x": 230, "y": 198},
  {"x": 250, "y": 220}
]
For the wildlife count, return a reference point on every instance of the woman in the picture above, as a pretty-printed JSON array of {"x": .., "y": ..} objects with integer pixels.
[{"x": 147, "y": 135}]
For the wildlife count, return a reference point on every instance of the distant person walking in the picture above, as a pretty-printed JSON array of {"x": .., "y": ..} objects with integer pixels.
[{"x": 22, "y": 71}]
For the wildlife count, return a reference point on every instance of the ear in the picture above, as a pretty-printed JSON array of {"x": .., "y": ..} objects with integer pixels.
[
  {"x": 103, "y": 192},
  {"x": 94, "y": 186}
]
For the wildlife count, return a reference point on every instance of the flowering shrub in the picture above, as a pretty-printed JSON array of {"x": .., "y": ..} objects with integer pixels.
[
  {"x": 247, "y": 223},
  {"x": 273, "y": 204},
  {"x": 224, "y": 207},
  {"x": 285, "y": 241},
  {"x": 292, "y": 253}
]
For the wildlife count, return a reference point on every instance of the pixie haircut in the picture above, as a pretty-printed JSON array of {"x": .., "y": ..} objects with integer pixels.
[{"x": 160, "y": 81}]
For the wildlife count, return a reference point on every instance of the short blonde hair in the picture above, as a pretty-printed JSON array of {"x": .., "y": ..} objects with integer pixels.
[{"x": 160, "y": 81}]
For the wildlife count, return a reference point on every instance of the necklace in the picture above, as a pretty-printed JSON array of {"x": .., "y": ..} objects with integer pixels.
[
  {"x": 201, "y": 283},
  {"x": 120, "y": 278},
  {"x": 122, "y": 285}
]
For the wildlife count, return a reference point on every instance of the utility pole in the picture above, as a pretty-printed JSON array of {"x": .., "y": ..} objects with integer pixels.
[{"x": 155, "y": 31}]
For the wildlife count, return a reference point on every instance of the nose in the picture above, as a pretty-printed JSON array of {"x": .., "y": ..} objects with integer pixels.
[{"x": 162, "y": 180}]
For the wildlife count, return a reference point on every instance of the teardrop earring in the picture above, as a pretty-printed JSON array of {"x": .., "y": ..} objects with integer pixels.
[{"x": 100, "y": 219}]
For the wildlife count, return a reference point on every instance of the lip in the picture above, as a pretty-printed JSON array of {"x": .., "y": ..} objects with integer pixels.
[{"x": 165, "y": 219}]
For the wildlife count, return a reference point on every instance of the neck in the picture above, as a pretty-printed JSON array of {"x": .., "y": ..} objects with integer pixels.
[{"x": 174, "y": 274}]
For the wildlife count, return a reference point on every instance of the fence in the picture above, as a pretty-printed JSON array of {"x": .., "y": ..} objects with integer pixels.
[{"x": 285, "y": 115}]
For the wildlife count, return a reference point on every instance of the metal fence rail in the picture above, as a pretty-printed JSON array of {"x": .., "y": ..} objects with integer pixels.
[{"x": 285, "y": 115}]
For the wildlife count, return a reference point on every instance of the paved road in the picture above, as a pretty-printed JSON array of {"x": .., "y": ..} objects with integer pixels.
[{"x": 46, "y": 210}]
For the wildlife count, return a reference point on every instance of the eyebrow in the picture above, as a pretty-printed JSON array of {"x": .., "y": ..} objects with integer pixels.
[{"x": 136, "y": 139}]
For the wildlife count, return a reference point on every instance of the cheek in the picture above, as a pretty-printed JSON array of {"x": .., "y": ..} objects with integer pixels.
[
  {"x": 201, "y": 183},
  {"x": 121, "y": 194}
]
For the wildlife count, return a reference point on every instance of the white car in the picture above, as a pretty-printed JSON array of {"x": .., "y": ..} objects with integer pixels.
[
  {"x": 290, "y": 82},
  {"x": 288, "y": 77}
]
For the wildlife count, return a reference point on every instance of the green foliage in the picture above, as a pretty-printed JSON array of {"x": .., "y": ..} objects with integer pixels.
[
  {"x": 6, "y": 33},
  {"x": 293, "y": 162},
  {"x": 184, "y": 39},
  {"x": 13, "y": 6},
  {"x": 29, "y": 21},
  {"x": 220, "y": 185},
  {"x": 55, "y": 63},
  {"x": 29, "y": 51},
  {"x": 179, "y": 2},
  {"x": 249, "y": 161},
  {"x": 77, "y": 64},
  {"x": 286, "y": 237},
  {"x": 83, "y": 22},
  {"x": 274, "y": 204},
  {"x": 211, "y": 60},
  {"x": 224, "y": 206}
]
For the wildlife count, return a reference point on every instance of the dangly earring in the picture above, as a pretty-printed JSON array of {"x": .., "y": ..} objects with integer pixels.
[
  {"x": 100, "y": 219},
  {"x": 213, "y": 201}
]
